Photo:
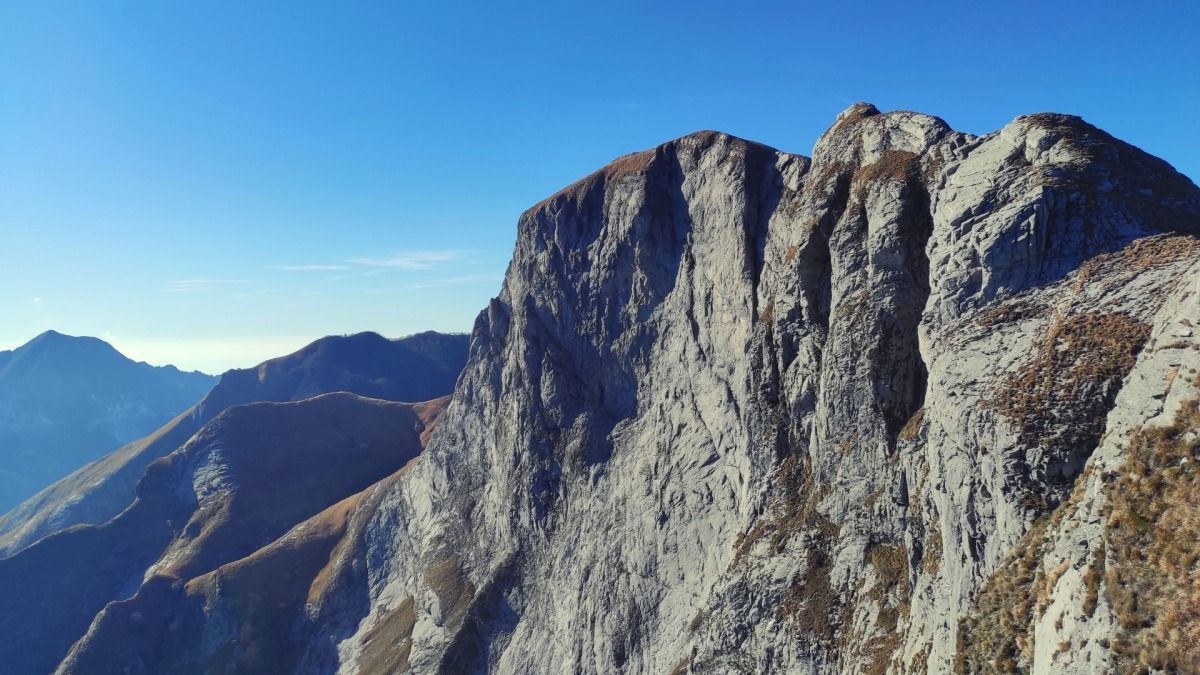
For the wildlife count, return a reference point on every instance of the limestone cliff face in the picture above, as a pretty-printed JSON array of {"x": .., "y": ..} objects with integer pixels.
[{"x": 737, "y": 410}]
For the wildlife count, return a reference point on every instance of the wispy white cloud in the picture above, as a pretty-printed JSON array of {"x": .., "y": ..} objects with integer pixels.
[
  {"x": 37, "y": 301},
  {"x": 359, "y": 273},
  {"x": 307, "y": 268},
  {"x": 438, "y": 283},
  {"x": 198, "y": 284},
  {"x": 412, "y": 260}
]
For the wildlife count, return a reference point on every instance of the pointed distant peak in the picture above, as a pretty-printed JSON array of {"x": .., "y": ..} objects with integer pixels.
[
  {"x": 53, "y": 337},
  {"x": 52, "y": 341},
  {"x": 50, "y": 335}
]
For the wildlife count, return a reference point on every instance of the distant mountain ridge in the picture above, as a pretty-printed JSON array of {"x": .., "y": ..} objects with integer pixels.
[
  {"x": 419, "y": 367},
  {"x": 243, "y": 481},
  {"x": 65, "y": 400}
]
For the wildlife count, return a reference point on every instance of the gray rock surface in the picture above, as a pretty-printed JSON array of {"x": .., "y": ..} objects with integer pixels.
[{"x": 736, "y": 410}]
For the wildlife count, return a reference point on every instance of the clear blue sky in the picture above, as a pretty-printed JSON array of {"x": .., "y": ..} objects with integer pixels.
[{"x": 211, "y": 183}]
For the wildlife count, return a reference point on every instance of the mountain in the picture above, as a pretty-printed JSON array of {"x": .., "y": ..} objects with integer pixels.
[
  {"x": 923, "y": 402},
  {"x": 415, "y": 368},
  {"x": 64, "y": 401},
  {"x": 243, "y": 481}
]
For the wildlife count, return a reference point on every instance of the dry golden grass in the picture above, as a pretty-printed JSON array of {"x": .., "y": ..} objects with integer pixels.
[
  {"x": 810, "y": 604},
  {"x": 768, "y": 313},
  {"x": 893, "y": 165},
  {"x": 388, "y": 643},
  {"x": 855, "y": 114},
  {"x": 891, "y": 593},
  {"x": 912, "y": 428},
  {"x": 1093, "y": 577},
  {"x": 853, "y": 308},
  {"x": 632, "y": 163},
  {"x": 920, "y": 660},
  {"x": 1141, "y": 254},
  {"x": 1147, "y": 570},
  {"x": 1059, "y": 398},
  {"x": 993, "y": 638},
  {"x": 931, "y": 557},
  {"x": 1152, "y": 579},
  {"x": 454, "y": 591},
  {"x": 1008, "y": 312}
]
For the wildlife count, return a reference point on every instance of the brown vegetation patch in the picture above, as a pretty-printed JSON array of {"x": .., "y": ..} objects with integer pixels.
[
  {"x": 891, "y": 592},
  {"x": 1059, "y": 399},
  {"x": 854, "y": 308},
  {"x": 454, "y": 591},
  {"x": 920, "y": 660},
  {"x": 1008, "y": 312},
  {"x": 852, "y": 115},
  {"x": 1152, "y": 578},
  {"x": 994, "y": 637},
  {"x": 1093, "y": 576},
  {"x": 912, "y": 428},
  {"x": 1104, "y": 169},
  {"x": 1141, "y": 254},
  {"x": 794, "y": 513},
  {"x": 388, "y": 643},
  {"x": 1146, "y": 569},
  {"x": 811, "y": 605},
  {"x": 893, "y": 165},
  {"x": 636, "y": 162},
  {"x": 931, "y": 555},
  {"x": 768, "y": 313}
]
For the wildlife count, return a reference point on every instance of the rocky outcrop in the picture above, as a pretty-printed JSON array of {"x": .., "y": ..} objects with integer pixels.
[
  {"x": 416, "y": 368},
  {"x": 736, "y": 410}
]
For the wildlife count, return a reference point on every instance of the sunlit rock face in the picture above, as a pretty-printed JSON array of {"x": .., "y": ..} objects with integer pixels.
[{"x": 737, "y": 410}]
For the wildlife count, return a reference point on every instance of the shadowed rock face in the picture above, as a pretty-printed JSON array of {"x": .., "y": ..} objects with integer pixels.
[
  {"x": 242, "y": 482},
  {"x": 416, "y": 368},
  {"x": 64, "y": 401},
  {"x": 737, "y": 410}
]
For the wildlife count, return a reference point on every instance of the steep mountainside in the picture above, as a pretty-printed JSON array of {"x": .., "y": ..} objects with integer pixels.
[
  {"x": 64, "y": 401},
  {"x": 925, "y": 401},
  {"x": 242, "y": 482},
  {"x": 416, "y": 368}
]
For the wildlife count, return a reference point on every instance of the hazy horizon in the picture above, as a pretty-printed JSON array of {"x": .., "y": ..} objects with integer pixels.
[
  {"x": 249, "y": 352},
  {"x": 210, "y": 186}
]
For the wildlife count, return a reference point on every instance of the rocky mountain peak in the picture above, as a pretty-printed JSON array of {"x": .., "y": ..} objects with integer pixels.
[{"x": 739, "y": 410}]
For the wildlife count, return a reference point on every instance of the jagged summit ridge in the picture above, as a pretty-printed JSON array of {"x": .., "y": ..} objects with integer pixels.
[
  {"x": 763, "y": 376},
  {"x": 740, "y": 410}
]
